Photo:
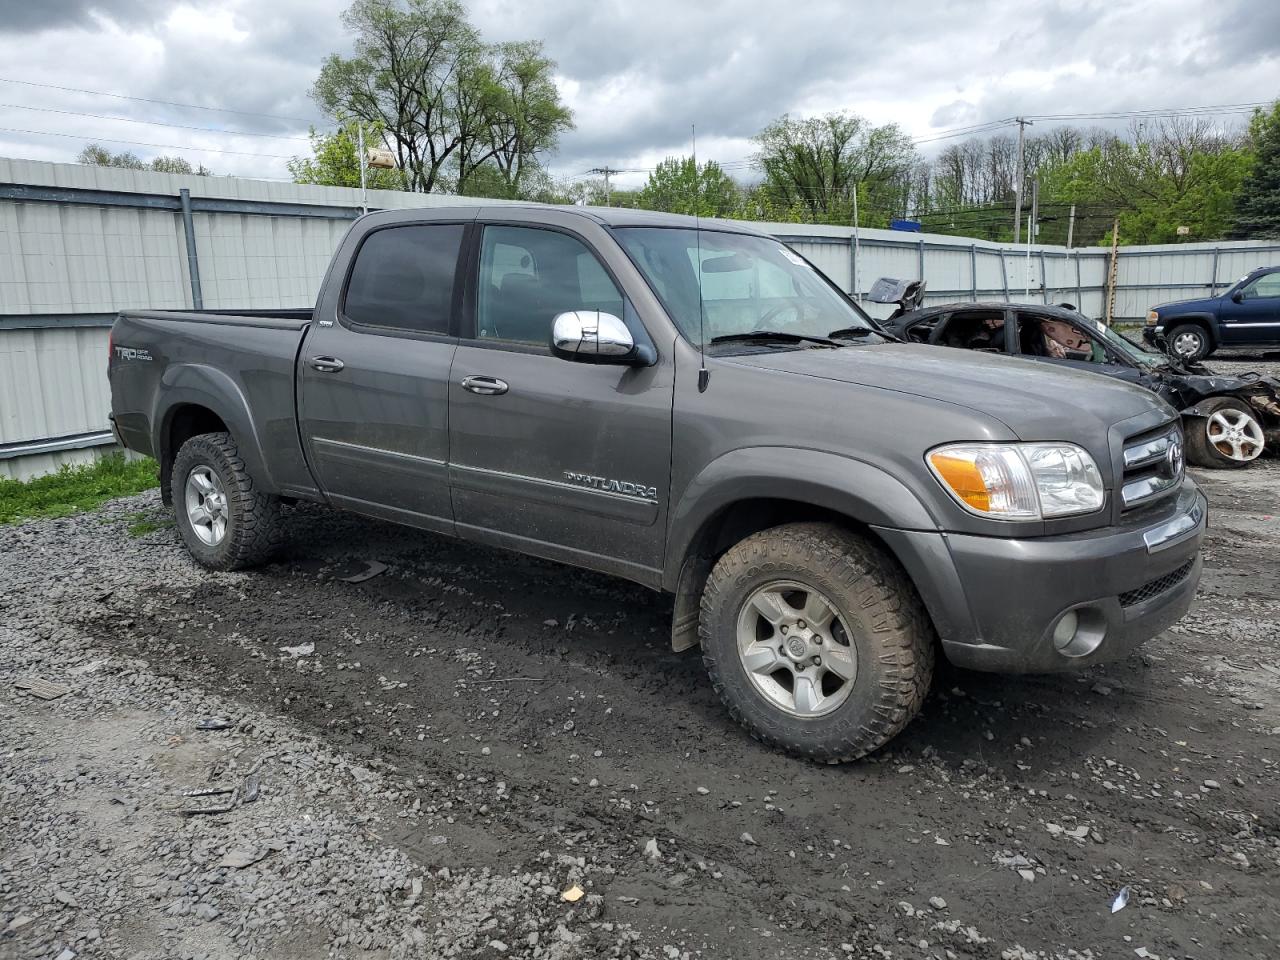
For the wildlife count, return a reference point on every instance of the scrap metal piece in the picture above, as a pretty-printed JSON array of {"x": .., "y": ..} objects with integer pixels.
[
  {"x": 371, "y": 570},
  {"x": 251, "y": 788},
  {"x": 233, "y": 800},
  {"x": 39, "y": 687},
  {"x": 215, "y": 723}
]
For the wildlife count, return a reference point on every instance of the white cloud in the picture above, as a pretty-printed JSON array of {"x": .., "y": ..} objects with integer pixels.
[{"x": 637, "y": 75}]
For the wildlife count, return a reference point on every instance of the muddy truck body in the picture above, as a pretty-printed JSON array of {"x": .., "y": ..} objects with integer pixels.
[{"x": 697, "y": 409}]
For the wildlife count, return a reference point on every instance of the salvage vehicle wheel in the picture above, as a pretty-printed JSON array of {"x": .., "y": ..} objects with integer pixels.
[
  {"x": 1188, "y": 342},
  {"x": 225, "y": 522},
  {"x": 816, "y": 641},
  {"x": 1229, "y": 436}
]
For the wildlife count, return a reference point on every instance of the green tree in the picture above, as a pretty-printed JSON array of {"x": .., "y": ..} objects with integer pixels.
[
  {"x": 675, "y": 186},
  {"x": 811, "y": 166},
  {"x": 1178, "y": 173},
  {"x": 100, "y": 156},
  {"x": 448, "y": 102},
  {"x": 335, "y": 160},
  {"x": 1257, "y": 205}
]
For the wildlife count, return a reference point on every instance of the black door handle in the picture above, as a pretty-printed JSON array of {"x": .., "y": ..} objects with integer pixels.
[
  {"x": 326, "y": 364},
  {"x": 485, "y": 386}
]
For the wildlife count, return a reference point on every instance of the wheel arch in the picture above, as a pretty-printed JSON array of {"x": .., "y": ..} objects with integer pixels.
[
  {"x": 200, "y": 399},
  {"x": 1206, "y": 321},
  {"x": 752, "y": 490}
]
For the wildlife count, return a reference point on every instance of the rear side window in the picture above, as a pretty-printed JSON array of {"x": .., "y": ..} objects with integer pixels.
[{"x": 403, "y": 278}]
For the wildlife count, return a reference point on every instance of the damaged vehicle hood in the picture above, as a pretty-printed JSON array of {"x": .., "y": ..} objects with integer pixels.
[{"x": 1027, "y": 397}]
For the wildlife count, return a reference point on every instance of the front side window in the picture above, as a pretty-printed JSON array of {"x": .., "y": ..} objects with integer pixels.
[
  {"x": 403, "y": 278},
  {"x": 716, "y": 284},
  {"x": 528, "y": 276},
  {"x": 1266, "y": 286},
  {"x": 1058, "y": 339}
]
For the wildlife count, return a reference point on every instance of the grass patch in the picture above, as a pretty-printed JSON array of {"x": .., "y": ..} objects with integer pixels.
[
  {"x": 74, "y": 489},
  {"x": 143, "y": 523}
]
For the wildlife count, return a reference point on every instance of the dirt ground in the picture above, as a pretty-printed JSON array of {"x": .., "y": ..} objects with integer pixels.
[{"x": 527, "y": 707}]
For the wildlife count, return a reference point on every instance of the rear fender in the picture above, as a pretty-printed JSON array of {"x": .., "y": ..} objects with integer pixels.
[{"x": 208, "y": 387}]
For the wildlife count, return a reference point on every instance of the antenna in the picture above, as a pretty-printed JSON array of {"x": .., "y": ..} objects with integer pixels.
[{"x": 704, "y": 375}]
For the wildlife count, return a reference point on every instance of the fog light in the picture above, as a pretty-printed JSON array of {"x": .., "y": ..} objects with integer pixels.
[
  {"x": 1079, "y": 631},
  {"x": 1065, "y": 631}
]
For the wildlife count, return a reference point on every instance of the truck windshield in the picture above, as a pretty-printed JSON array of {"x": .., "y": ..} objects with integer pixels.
[{"x": 726, "y": 285}]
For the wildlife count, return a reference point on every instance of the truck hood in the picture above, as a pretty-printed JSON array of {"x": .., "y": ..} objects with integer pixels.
[
  {"x": 1035, "y": 400},
  {"x": 1178, "y": 307}
]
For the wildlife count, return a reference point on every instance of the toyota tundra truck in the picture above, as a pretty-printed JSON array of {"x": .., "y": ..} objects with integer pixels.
[{"x": 690, "y": 405}]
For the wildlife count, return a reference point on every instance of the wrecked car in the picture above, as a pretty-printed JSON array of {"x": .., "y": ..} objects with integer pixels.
[{"x": 1229, "y": 421}]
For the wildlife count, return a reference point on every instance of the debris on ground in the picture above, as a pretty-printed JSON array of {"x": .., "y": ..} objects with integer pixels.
[
  {"x": 371, "y": 569},
  {"x": 300, "y": 650},
  {"x": 39, "y": 687},
  {"x": 1121, "y": 901}
]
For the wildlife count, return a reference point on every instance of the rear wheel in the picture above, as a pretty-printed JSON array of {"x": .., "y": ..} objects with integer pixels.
[
  {"x": 1189, "y": 342},
  {"x": 815, "y": 641},
  {"x": 225, "y": 521},
  {"x": 1229, "y": 435}
]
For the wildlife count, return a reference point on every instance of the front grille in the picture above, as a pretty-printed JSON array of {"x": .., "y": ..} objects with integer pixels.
[
  {"x": 1152, "y": 466},
  {"x": 1159, "y": 585}
]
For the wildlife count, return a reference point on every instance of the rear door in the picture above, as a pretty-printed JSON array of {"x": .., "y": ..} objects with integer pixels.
[
  {"x": 984, "y": 329},
  {"x": 553, "y": 457},
  {"x": 374, "y": 374},
  {"x": 1256, "y": 318}
]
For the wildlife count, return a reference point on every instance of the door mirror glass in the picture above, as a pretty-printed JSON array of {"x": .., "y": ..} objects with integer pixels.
[
  {"x": 592, "y": 336},
  {"x": 1238, "y": 296}
]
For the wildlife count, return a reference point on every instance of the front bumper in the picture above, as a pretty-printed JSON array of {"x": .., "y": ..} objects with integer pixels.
[{"x": 996, "y": 602}]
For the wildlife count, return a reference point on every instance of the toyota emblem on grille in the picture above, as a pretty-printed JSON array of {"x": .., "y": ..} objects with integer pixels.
[{"x": 1173, "y": 459}]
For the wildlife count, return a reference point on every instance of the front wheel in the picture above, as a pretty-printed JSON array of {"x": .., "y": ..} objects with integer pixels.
[
  {"x": 1230, "y": 435},
  {"x": 816, "y": 641},
  {"x": 225, "y": 521},
  {"x": 1189, "y": 342}
]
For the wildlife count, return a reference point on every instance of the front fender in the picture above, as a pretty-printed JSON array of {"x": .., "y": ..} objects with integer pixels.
[
  {"x": 853, "y": 488},
  {"x": 205, "y": 386}
]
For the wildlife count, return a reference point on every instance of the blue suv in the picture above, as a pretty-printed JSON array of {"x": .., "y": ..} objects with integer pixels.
[{"x": 1246, "y": 315}]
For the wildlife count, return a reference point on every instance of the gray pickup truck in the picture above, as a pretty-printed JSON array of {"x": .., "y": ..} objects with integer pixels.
[{"x": 694, "y": 407}]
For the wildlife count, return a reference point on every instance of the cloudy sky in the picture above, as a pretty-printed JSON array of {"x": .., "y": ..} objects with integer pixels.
[{"x": 636, "y": 74}]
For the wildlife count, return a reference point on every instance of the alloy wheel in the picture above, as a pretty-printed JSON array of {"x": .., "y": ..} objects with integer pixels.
[
  {"x": 796, "y": 649},
  {"x": 206, "y": 504}
]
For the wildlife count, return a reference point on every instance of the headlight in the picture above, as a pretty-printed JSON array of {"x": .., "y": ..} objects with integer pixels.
[
  {"x": 1152, "y": 318},
  {"x": 1019, "y": 481}
]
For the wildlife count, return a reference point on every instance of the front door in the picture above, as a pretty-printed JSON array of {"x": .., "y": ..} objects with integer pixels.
[
  {"x": 374, "y": 382},
  {"x": 1066, "y": 343},
  {"x": 1255, "y": 319},
  {"x": 553, "y": 457}
]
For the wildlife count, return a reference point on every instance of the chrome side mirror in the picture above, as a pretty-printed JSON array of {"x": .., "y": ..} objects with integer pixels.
[{"x": 590, "y": 336}]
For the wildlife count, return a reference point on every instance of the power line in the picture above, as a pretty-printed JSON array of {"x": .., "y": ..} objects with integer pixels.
[
  {"x": 167, "y": 103},
  {"x": 141, "y": 143},
  {"x": 154, "y": 123}
]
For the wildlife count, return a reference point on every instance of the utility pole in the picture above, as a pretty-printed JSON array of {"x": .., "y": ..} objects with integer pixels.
[
  {"x": 1071, "y": 226},
  {"x": 1033, "y": 232},
  {"x": 857, "y": 250},
  {"x": 364, "y": 190},
  {"x": 1017, "y": 184},
  {"x": 1112, "y": 270},
  {"x": 608, "y": 172}
]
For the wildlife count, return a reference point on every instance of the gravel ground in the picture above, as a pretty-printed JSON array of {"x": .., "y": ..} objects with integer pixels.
[{"x": 444, "y": 750}]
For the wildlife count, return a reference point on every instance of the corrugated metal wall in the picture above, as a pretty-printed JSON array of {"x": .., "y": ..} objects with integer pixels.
[{"x": 78, "y": 243}]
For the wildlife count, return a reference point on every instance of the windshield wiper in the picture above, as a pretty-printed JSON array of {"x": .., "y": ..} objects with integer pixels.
[
  {"x": 780, "y": 336},
  {"x": 851, "y": 333}
]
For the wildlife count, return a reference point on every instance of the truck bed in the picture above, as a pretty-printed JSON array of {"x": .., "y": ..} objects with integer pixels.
[{"x": 165, "y": 365}]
